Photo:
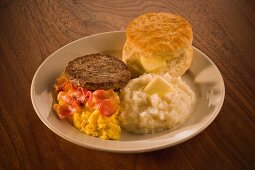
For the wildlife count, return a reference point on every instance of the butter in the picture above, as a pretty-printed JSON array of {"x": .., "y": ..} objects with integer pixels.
[
  {"x": 158, "y": 85},
  {"x": 152, "y": 65}
]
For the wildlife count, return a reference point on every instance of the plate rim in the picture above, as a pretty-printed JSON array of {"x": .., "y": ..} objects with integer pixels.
[{"x": 120, "y": 150}]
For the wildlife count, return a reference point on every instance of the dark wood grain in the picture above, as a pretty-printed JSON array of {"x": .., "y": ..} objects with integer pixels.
[{"x": 31, "y": 30}]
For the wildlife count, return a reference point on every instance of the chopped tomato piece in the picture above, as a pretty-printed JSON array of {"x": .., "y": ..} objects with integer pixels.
[
  {"x": 75, "y": 107},
  {"x": 75, "y": 87},
  {"x": 82, "y": 90},
  {"x": 108, "y": 107},
  {"x": 90, "y": 96},
  {"x": 62, "y": 111},
  {"x": 82, "y": 95},
  {"x": 100, "y": 95},
  {"x": 78, "y": 95},
  {"x": 67, "y": 99},
  {"x": 67, "y": 86},
  {"x": 103, "y": 94}
]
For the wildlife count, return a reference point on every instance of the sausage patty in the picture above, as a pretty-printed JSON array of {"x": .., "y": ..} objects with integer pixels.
[{"x": 97, "y": 71}]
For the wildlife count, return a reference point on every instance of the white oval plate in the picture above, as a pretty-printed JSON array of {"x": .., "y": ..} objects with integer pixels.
[{"x": 203, "y": 77}]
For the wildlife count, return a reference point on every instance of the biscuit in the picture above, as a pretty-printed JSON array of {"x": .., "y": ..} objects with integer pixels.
[
  {"x": 175, "y": 67},
  {"x": 161, "y": 35},
  {"x": 178, "y": 66}
]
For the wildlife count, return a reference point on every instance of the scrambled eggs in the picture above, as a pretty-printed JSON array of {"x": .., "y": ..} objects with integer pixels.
[
  {"x": 96, "y": 124},
  {"x": 92, "y": 112}
]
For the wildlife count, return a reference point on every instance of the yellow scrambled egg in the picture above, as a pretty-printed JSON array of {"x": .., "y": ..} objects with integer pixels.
[
  {"x": 95, "y": 124},
  {"x": 94, "y": 113}
]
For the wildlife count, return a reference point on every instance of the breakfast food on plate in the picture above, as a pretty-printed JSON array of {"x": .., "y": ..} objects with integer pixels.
[
  {"x": 159, "y": 102},
  {"x": 158, "y": 43},
  {"x": 85, "y": 94}
]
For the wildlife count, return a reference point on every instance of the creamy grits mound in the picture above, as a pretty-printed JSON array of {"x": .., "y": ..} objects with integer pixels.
[{"x": 142, "y": 113}]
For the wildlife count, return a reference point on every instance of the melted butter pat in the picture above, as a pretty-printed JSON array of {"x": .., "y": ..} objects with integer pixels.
[
  {"x": 158, "y": 85},
  {"x": 152, "y": 65}
]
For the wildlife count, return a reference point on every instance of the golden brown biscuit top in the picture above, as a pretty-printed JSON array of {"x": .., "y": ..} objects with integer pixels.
[{"x": 160, "y": 34}]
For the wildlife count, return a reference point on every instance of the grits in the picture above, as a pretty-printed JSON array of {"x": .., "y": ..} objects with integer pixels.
[{"x": 143, "y": 113}]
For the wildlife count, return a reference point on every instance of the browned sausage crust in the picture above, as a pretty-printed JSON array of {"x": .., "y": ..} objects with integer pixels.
[{"x": 97, "y": 71}]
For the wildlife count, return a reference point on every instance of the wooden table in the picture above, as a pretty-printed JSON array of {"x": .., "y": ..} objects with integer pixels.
[{"x": 31, "y": 30}]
